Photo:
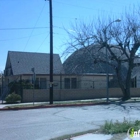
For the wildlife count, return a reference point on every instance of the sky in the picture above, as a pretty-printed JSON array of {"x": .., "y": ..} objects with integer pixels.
[{"x": 24, "y": 24}]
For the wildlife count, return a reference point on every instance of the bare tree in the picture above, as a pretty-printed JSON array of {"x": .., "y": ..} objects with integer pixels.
[{"x": 117, "y": 44}]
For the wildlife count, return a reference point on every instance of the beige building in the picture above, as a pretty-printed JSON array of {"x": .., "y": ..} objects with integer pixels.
[
  {"x": 20, "y": 65},
  {"x": 63, "y": 81}
]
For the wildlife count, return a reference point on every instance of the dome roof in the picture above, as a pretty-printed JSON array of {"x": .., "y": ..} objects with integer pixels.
[{"x": 84, "y": 61}]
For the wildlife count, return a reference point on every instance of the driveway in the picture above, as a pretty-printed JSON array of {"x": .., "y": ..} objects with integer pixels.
[{"x": 44, "y": 124}]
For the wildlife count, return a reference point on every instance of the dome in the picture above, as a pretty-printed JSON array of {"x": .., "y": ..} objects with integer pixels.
[{"x": 84, "y": 61}]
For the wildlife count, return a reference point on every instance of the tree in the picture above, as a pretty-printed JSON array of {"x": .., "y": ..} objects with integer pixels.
[
  {"x": 118, "y": 44},
  {"x": 16, "y": 86}
]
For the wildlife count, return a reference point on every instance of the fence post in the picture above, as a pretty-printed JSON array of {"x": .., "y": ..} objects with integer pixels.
[{"x": 21, "y": 89}]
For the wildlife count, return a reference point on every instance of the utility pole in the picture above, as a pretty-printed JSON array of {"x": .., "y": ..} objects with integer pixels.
[
  {"x": 33, "y": 82},
  {"x": 51, "y": 52},
  {"x": 2, "y": 88}
]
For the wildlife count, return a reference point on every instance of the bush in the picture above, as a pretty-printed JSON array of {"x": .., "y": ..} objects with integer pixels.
[
  {"x": 120, "y": 127},
  {"x": 16, "y": 86},
  {"x": 13, "y": 98}
]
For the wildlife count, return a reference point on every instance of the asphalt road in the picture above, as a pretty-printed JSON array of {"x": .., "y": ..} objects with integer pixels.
[{"x": 44, "y": 124}]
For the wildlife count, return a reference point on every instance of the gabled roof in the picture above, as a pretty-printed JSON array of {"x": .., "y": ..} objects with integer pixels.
[{"x": 23, "y": 62}]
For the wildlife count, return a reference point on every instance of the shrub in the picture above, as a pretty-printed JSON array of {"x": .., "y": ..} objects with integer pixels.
[
  {"x": 119, "y": 127},
  {"x": 16, "y": 86},
  {"x": 12, "y": 98}
]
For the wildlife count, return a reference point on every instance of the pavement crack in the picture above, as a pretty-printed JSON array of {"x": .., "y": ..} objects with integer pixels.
[{"x": 56, "y": 114}]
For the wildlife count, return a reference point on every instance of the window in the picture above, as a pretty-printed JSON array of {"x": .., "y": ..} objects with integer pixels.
[
  {"x": 43, "y": 83},
  {"x": 93, "y": 84},
  {"x": 73, "y": 83},
  {"x": 70, "y": 83},
  {"x": 37, "y": 83},
  {"x": 67, "y": 83}
]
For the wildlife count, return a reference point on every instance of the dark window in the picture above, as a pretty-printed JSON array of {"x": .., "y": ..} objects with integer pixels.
[
  {"x": 73, "y": 83},
  {"x": 133, "y": 82},
  {"x": 93, "y": 84},
  {"x": 43, "y": 83},
  {"x": 37, "y": 83},
  {"x": 70, "y": 83},
  {"x": 0, "y": 89},
  {"x": 67, "y": 83}
]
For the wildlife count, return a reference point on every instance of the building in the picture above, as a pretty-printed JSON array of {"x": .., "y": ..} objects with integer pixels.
[{"x": 20, "y": 66}]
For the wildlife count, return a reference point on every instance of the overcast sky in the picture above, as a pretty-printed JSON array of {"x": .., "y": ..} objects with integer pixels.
[{"x": 24, "y": 24}]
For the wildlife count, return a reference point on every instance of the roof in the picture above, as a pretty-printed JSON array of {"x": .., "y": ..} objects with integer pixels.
[
  {"x": 23, "y": 62},
  {"x": 85, "y": 60},
  {"x": 82, "y": 61}
]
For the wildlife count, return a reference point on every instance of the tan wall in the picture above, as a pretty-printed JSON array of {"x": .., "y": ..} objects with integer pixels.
[
  {"x": 77, "y": 94},
  {"x": 93, "y": 81},
  {"x": 83, "y": 81},
  {"x": 57, "y": 79}
]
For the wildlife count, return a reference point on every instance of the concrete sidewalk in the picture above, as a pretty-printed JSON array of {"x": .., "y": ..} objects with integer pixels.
[
  {"x": 91, "y": 136},
  {"x": 37, "y": 105}
]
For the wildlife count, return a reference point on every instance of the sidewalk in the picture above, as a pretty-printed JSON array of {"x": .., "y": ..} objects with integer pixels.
[
  {"x": 91, "y": 136},
  {"x": 37, "y": 105},
  {"x": 99, "y": 137}
]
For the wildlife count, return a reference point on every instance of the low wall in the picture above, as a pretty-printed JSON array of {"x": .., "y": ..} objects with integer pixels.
[{"x": 40, "y": 95}]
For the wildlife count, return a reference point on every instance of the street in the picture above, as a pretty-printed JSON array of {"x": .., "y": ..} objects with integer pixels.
[{"x": 44, "y": 124}]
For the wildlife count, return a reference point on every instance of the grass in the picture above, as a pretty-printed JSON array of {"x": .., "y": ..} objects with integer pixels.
[
  {"x": 119, "y": 127},
  {"x": 22, "y": 106},
  {"x": 77, "y": 102},
  {"x": 18, "y": 105}
]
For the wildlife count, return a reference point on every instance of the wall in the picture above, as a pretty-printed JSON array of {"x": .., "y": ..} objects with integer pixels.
[
  {"x": 77, "y": 94},
  {"x": 93, "y": 81},
  {"x": 86, "y": 81},
  {"x": 138, "y": 81}
]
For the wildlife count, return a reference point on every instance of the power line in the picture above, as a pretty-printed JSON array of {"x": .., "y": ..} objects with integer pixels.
[
  {"x": 23, "y": 28},
  {"x": 28, "y": 28},
  {"x": 18, "y": 38},
  {"x": 73, "y": 5},
  {"x": 64, "y": 17},
  {"x": 21, "y": 37},
  {"x": 88, "y": 8},
  {"x": 34, "y": 26},
  {"x": 42, "y": 42}
]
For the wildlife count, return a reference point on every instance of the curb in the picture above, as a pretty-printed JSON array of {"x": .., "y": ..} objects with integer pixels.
[{"x": 53, "y": 106}]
